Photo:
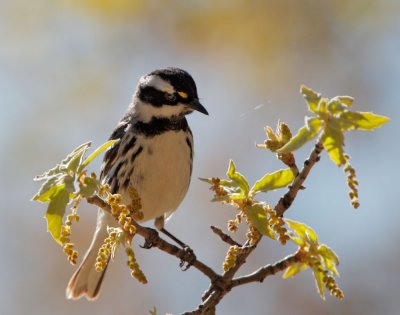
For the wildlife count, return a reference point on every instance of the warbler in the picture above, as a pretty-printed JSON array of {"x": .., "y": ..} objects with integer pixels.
[{"x": 154, "y": 155}]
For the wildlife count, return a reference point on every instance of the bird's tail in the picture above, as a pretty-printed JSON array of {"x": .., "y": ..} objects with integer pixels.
[{"x": 86, "y": 281}]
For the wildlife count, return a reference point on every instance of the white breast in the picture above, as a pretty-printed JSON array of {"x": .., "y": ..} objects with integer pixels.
[{"x": 162, "y": 172}]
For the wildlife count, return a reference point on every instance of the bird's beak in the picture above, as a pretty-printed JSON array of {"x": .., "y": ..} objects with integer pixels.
[{"x": 195, "y": 105}]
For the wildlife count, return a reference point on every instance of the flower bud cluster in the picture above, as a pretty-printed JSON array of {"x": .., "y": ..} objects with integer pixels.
[
  {"x": 137, "y": 273},
  {"x": 253, "y": 235},
  {"x": 68, "y": 246},
  {"x": 217, "y": 188},
  {"x": 352, "y": 182},
  {"x": 276, "y": 140},
  {"x": 277, "y": 225},
  {"x": 108, "y": 248},
  {"x": 230, "y": 259}
]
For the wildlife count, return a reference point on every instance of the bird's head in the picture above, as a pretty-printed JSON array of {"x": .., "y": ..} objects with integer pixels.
[{"x": 165, "y": 93}]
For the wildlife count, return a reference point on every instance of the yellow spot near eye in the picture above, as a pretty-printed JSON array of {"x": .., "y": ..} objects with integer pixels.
[{"x": 183, "y": 94}]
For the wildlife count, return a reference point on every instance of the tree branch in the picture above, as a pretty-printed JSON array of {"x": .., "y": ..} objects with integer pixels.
[
  {"x": 268, "y": 270},
  {"x": 151, "y": 235},
  {"x": 286, "y": 200},
  {"x": 224, "y": 237}
]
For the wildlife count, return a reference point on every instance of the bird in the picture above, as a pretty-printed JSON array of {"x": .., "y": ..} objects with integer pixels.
[{"x": 154, "y": 155}]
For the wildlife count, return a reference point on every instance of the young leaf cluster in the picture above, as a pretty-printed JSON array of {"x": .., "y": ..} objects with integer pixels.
[
  {"x": 332, "y": 117},
  {"x": 236, "y": 191},
  {"x": 67, "y": 181},
  {"x": 311, "y": 254}
]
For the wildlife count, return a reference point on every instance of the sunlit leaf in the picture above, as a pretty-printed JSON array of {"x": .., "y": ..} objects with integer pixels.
[
  {"x": 295, "y": 239},
  {"x": 319, "y": 282},
  {"x": 302, "y": 230},
  {"x": 56, "y": 210},
  {"x": 312, "y": 98},
  {"x": 322, "y": 106},
  {"x": 238, "y": 178},
  {"x": 330, "y": 258},
  {"x": 333, "y": 142},
  {"x": 330, "y": 265},
  {"x": 69, "y": 163},
  {"x": 257, "y": 216},
  {"x": 206, "y": 180},
  {"x": 336, "y": 107},
  {"x": 74, "y": 159},
  {"x": 50, "y": 173},
  {"x": 294, "y": 269},
  {"x": 327, "y": 252},
  {"x": 305, "y": 134},
  {"x": 98, "y": 151},
  {"x": 345, "y": 100},
  {"x": 273, "y": 181},
  {"x": 362, "y": 120},
  {"x": 221, "y": 182},
  {"x": 48, "y": 187}
]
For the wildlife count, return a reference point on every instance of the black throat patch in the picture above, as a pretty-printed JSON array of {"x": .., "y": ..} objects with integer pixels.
[{"x": 157, "y": 126}]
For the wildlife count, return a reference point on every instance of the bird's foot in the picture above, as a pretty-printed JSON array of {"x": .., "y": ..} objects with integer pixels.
[
  {"x": 151, "y": 239},
  {"x": 188, "y": 259}
]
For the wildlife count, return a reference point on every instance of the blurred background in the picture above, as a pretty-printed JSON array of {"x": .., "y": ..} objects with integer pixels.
[{"x": 68, "y": 70}]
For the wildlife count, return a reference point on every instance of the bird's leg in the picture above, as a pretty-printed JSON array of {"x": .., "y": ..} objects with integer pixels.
[
  {"x": 190, "y": 257},
  {"x": 174, "y": 238}
]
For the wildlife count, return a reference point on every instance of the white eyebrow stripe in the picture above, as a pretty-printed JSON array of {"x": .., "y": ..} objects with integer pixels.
[{"x": 158, "y": 83}]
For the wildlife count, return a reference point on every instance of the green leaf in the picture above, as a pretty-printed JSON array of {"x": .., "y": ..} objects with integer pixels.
[
  {"x": 336, "y": 107},
  {"x": 330, "y": 265},
  {"x": 56, "y": 210},
  {"x": 322, "y": 106},
  {"x": 345, "y": 100},
  {"x": 319, "y": 282},
  {"x": 74, "y": 159},
  {"x": 305, "y": 134},
  {"x": 49, "y": 174},
  {"x": 273, "y": 181},
  {"x": 333, "y": 142},
  {"x": 294, "y": 269},
  {"x": 98, "y": 151},
  {"x": 295, "y": 239},
  {"x": 312, "y": 98},
  {"x": 362, "y": 120},
  {"x": 206, "y": 180},
  {"x": 48, "y": 187},
  {"x": 330, "y": 258},
  {"x": 69, "y": 163},
  {"x": 327, "y": 252},
  {"x": 302, "y": 230},
  {"x": 257, "y": 216},
  {"x": 238, "y": 178}
]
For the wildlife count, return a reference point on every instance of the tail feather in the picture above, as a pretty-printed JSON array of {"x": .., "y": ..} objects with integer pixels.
[{"x": 86, "y": 281}]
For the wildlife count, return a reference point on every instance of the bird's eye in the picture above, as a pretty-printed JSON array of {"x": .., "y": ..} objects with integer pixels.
[{"x": 170, "y": 97}]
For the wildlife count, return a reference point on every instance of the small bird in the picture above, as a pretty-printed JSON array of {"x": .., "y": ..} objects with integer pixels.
[{"x": 154, "y": 155}]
